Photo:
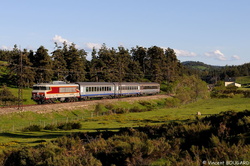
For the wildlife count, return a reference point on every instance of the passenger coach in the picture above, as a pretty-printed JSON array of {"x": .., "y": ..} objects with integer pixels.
[
  {"x": 96, "y": 89},
  {"x": 149, "y": 88}
]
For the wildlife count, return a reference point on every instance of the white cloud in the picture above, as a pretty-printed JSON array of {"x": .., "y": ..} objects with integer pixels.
[
  {"x": 184, "y": 53},
  {"x": 60, "y": 40},
  {"x": 6, "y": 48},
  {"x": 235, "y": 57},
  {"x": 90, "y": 46},
  {"x": 217, "y": 54}
]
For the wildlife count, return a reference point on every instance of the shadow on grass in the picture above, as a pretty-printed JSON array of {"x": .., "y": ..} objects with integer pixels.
[{"x": 27, "y": 135}]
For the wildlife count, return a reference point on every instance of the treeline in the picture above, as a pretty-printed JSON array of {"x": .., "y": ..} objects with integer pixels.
[
  {"x": 68, "y": 63},
  {"x": 218, "y": 138},
  {"x": 213, "y": 74}
]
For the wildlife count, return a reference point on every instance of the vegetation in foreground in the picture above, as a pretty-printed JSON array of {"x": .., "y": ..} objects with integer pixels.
[
  {"x": 219, "y": 137},
  {"x": 216, "y": 138}
]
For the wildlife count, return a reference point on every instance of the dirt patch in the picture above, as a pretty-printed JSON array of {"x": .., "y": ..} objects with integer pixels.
[{"x": 75, "y": 105}]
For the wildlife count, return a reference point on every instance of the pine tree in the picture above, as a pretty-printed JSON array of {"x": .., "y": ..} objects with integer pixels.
[
  {"x": 43, "y": 64},
  {"x": 157, "y": 63},
  {"x": 94, "y": 66},
  {"x": 139, "y": 54},
  {"x": 174, "y": 67},
  {"x": 107, "y": 64},
  {"x": 28, "y": 74},
  {"x": 59, "y": 64},
  {"x": 6, "y": 96},
  {"x": 76, "y": 62}
]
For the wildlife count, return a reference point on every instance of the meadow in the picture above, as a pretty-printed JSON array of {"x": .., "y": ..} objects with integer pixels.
[{"x": 100, "y": 118}]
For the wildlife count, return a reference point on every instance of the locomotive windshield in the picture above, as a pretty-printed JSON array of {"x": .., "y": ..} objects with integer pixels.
[{"x": 40, "y": 88}]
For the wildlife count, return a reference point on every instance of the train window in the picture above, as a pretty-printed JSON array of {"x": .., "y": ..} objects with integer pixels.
[
  {"x": 109, "y": 88},
  {"x": 87, "y": 89},
  {"x": 66, "y": 89},
  {"x": 35, "y": 88},
  {"x": 149, "y": 87},
  {"x": 41, "y": 88}
]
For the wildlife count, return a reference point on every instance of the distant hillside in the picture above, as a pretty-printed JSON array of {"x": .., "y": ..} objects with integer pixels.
[{"x": 199, "y": 65}]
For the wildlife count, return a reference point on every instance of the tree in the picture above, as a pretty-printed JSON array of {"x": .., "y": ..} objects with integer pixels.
[
  {"x": 107, "y": 64},
  {"x": 76, "y": 62},
  {"x": 173, "y": 66},
  {"x": 94, "y": 66},
  {"x": 43, "y": 65},
  {"x": 20, "y": 69},
  {"x": 139, "y": 54},
  {"x": 122, "y": 60},
  {"x": 6, "y": 96},
  {"x": 59, "y": 64},
  {"x": 28, "y": 74},
  {"x": 190, "y": 88},
  {"x": 157, "y": 63}
]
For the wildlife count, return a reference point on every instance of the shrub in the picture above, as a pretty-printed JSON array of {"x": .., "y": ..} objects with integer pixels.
[
  {"x": 32, "y": 128},
  {"x": 246, "y": 94},
  {"x": 136, "y": 109},
  {"x": 172, "y": 102},
  {"x": 120, "y": 111},
  {"x": 51, "y": 127},
  {"x": 70, "y": 126}
]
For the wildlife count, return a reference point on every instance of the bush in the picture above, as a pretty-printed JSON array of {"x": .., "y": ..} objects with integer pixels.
[
  {"x": 70, "y": 126},
  {"x": 246, "y": 94},
  {"x": 32, "y": 128},
  {"x": 136, "y": 109},
  {"x": 51, "y": 127},
  {"x": 120, "y": 111},
  {"x": 172, "y": 102}
]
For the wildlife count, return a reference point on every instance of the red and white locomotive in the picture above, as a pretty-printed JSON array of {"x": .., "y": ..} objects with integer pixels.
[{"x": 58, "y": 90}]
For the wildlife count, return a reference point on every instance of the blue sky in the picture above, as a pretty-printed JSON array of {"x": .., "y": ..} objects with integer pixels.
[{"x": 215, "y": 32}]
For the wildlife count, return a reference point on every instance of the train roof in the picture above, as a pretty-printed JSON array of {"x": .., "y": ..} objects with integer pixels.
[
  {"x": 148, "y": 83},
  {"x": 51, "y": 84},
  {"x": 94, "y": 83},
  {"x": 126, "y": 83}
]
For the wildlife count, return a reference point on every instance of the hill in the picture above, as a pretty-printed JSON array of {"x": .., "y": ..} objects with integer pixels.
[{"x": 200, "y": 65}]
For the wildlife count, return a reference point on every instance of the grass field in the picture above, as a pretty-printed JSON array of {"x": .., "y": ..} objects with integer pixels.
[
  {"x": 243, "y": 80},
  {"x": 158, "y": 115},
  {"x": 26, "y": 94}
]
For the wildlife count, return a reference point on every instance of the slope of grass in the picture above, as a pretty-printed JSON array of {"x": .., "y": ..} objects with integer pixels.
[
  {"x": 158, "y": 115},
  {"x": 243, "y": 80}
]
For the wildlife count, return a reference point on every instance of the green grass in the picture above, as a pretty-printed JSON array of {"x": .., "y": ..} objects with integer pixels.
[
  {"x": 110, "y": 122},
  {"x": 26, "y": 95},
  {"x": 243, "y": 80}
]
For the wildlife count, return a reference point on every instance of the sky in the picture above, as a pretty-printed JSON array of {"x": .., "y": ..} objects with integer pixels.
[{"x": 216, "y": 32}]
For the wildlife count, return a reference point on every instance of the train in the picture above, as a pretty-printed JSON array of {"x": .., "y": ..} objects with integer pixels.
[{"x": 71, "y": 92}]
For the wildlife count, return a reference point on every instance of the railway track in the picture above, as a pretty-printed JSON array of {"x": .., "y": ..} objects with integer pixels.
[{"x": 43, "y": 108}]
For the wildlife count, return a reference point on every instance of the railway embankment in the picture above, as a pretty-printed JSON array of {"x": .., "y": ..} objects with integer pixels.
[{"x": 46, "y": 108}]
